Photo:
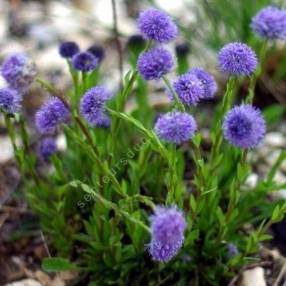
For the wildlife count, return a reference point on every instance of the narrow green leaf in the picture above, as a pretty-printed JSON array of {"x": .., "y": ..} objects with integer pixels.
[{"x": 58, "y": 264}]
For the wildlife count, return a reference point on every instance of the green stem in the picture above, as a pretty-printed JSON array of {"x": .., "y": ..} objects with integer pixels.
[
  {"x": 58, "y": 164},
  {"x": 172, "y": 197},
  {"x": 197, "y": 159},
  {"x": 237, "y": 185},
  {"x": 276, "y": 165},
  {"x": 119, "y": 211},
  {"x": 218, "y": 137},
  {"x": 127, "y": 89},
  {"x": 18, "y": 157},
  {"x": 183, "y": 64},
  {"x": 24, "y": 135},
  {"x": 258, "y": 73},
  {"x": 48, "y": 87},
  {"x": 178, "y": 102},
  {"x": 75, "y": 77},
  {"x": 86, "y": 134},
  {"x": 26, "y": 144},
  {"x": 11, "y": 133},
  {"x": 84, "y": 82},
  {"x": 95, "y": 155},
  {"x": 120, "y": 103}
]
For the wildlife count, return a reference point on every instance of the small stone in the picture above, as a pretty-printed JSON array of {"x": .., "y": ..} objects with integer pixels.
[
  {"x": 6, "y": 149},
  {"x": 26, "y": 282},
  {"x": 61, "y": 142},
  {"x": 253, "y": 277},
  {"x": 280, "y": 178},
  {"x": 271, "y": 160},
  {"x": 252, "y": 180},
  {"x": 3, "y": 82},
  {"x": 275, "y": 139}
]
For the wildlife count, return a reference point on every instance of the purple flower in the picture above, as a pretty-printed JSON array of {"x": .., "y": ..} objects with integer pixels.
[
  {"x": 50, "y": 115},
  {"x": 207, "y": 80},
  {"x": 19, "y": 71},
  {"x": 84, "y": 61},
  {"x": 183, "y": 49},
  {"x": 167, "y": 224},
  {"x": 97, "y": 51},
  {"x": 164, "y": 252},
  {"x": 189, "y": 89},
  {"x": 47, "y": 148},
  {"x": 244, "y": 126},
  {"x": 92, "y": 106},
  {"x": 103, "y": 121},
  {"x": 157, "y": 25},
  {"x": 237, "y": 59},
  {"x": 136, "y": 41},
  {"x": 68, "y": 49},
  {"x": 175, "y": 127},
  {"x": 232, "y": 250},
  {"x": 155, "y": 63},
  {"x": 167, "y": 230},
  {"x": 10, "y": 100},
  {"x": 270, "y": 23}
]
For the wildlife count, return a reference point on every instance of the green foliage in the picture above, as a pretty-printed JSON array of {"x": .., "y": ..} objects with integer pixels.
[
  {"x": 95, "y": 203},
  {"x": 58, "y": 264}
]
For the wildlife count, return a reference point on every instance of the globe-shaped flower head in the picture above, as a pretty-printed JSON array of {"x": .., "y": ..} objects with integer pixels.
[
  {"x": 47, "y": 148},
  {"x": 207, "y": 80},
  {"x": 136, "y": 41},
  {"x": 167, "y": 233},
  {"x": 189, "y": 89},
  {"x": 244, "y": 126},
  {"x": 103, "y": 121},
  {"x": 10, "y": 100},
  {"x": 92, "y": 106},
  {"x": 19, "y": 71},
  {"x": 68, "y": 49},
  {"x": 270, "y": 23},
  {"x": 155, "y": 63},
  {"x": 183, "y": 49},
  {"x": 237, "y": 59},
  {"x": 97, "y": 51},
  {"x": 51, "y": 115},
  {"x": 157, "y": 25},
  {"x": 175, "y": 127},
  {"x": 232, "y": 250},
  {"x": 84, "y": 61}
]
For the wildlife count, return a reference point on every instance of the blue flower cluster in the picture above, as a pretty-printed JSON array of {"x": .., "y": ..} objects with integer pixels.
[
  {"x": 194, "y": 86},
  {"x": 244, "y": 126},
  {"x": 155, "y": 63},
  {"x": 19, "y": 71},
  {"x": 86, "y": 61},
  {"x": 47, "y": 148},
  {"x": 68, "y": 49},
  {"x": 10, "y": 100},
  {"x": 92, "y": 106},
  {"x": 167, "y": 230},
  {"x": 270, "y": 23},
  {"x": 237, "y": 59},
  {"x": 175, "y": 127},
  {"x": 51, "y": 115},
  {"x": 157, "y": 25}
]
